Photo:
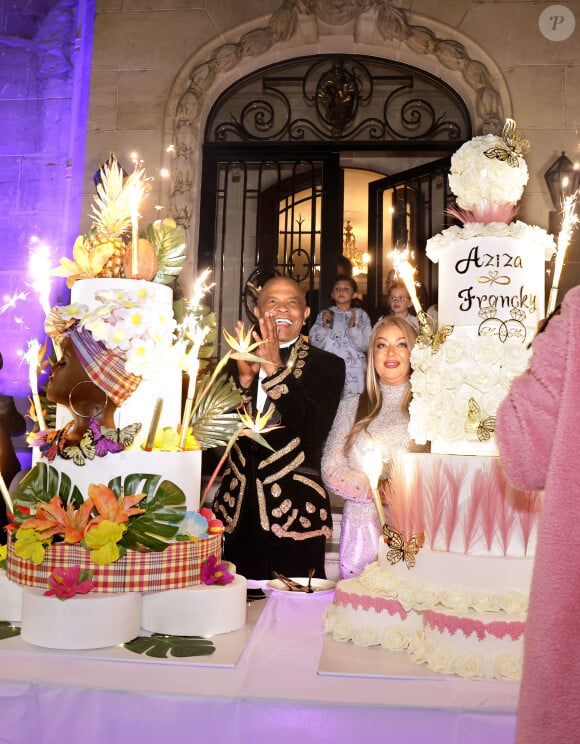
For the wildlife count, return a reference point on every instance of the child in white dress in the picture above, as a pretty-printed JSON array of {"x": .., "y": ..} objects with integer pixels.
[{"x": 345, "y": 331}]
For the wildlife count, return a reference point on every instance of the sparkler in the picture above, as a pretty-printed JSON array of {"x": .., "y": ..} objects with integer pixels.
[
  {"x": 11, "y": 300},
  {"x": 40, "y": 270},
  {"x": 569, "y": 222},
  {"x": 135, "y": 200},
  {"x": 195, "y": 333},
  {"x": 373, "y": 467},
  {"x": 407, "y": 273},
  {"x": 33, "y": 356},
  {"x": 398, "y": 255},
  {"x": 6, "y": 495}
]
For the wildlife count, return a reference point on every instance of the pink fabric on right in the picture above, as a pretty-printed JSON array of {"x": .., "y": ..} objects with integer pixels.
[{"x": 538, "y": 433}]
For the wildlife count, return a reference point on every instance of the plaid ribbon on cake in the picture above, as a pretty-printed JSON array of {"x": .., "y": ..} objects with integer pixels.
[
  {"x": 105, "y": 367},
  {"x": 177, "y": 567}
]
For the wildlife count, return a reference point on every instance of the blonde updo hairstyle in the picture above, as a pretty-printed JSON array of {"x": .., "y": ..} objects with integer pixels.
[{"x": 371, "y": 399}]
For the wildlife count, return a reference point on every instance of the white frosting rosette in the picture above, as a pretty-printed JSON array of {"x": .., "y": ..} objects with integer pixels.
[
  {"x": 455, "y": 598},
  {"x": 366, "y": 636},
  {"x": 420, "y": 647},
  {"x": 476, "y": 177},
  {"x": 514, "y": 603},
  {"x": 485, "y": 602},
  {"x": 470, "y": 665},
  {"x": 395, "y": 639},
  {"x": 507, "y": 666},
  {"x": 532, "y": 234},
  {"x": 342, "y": 630},
  {"x": 441, "y": 659}
]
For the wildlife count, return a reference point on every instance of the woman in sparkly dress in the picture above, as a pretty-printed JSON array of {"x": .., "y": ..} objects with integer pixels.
[{"x": 377, "y": 417}]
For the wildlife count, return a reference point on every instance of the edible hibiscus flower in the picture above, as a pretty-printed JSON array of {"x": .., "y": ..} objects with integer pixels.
[
  {"x": 213, "y": 572},
  {"x": 66, "y": 582}
]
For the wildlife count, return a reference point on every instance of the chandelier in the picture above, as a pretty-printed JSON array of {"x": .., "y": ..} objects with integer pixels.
[{"x": 358, "y": 259}]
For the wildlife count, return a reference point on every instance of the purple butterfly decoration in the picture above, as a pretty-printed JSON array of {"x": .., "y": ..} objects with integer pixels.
[{"x": 103, "y": 446}]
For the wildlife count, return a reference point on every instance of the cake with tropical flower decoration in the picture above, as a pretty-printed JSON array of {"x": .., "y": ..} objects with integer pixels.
[
  {"x": 109, "y": 516},
  {"x": 451, "y": 581}
]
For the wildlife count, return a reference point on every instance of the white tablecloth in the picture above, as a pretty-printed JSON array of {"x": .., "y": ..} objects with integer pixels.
[{"x": 275, "y": 693}]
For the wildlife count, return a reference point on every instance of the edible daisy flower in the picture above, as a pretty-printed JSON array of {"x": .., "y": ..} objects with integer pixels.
[{"x": 67, "y": 582}]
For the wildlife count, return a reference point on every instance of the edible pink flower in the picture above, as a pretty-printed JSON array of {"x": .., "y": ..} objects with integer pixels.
[
  {"x": 213, "y": 572},
  {"x": 66, "y": 582}
]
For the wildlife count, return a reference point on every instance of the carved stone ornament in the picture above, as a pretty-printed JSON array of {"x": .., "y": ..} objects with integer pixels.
[{"x": 344, "y": 16}]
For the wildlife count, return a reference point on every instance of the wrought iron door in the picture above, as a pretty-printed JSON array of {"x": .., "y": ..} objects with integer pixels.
[
  {"x": 272, "y": 178},
  {"x": 404, "y": 212}
]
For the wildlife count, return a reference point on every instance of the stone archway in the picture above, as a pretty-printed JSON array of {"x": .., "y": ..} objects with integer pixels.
[{"x": 306, "y": 27}]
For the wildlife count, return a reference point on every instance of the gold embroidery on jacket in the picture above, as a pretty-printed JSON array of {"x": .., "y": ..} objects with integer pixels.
[
  {"x": 277, "y": 392},
  {"x": 280, "y": 532},
  {"x": 311, "y": 484},
  {"x": 264, "y": 520},
  {"x": 234, "y": 501},
  {"x": 292, "y": 445},
  {"x": 276, "y": 491},
  {"x": 286, "y": 470}
]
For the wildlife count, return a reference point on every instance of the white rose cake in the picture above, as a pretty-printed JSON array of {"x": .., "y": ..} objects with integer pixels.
[
  {"x": 451, "y": 583},
  {"x": 491, "y": 299}
]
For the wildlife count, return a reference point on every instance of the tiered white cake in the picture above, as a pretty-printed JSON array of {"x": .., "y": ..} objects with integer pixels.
[
  {"x": 158, "y": 591},
  {"x": 451, "y": 583},
  {"x": 461, "y": 607},
  {"x": 490, "y": 301}
]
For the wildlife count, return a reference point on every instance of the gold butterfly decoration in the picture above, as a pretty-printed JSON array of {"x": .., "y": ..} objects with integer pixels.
[
  {"x": 401, "y": 549},
  {"x": 85, "y": 450},
  {"x": 125, "y": 436},
  {"x": 429, "y": 337},
  {"x": 478, "y": 423},
  {"x": 512, "y": 148}
]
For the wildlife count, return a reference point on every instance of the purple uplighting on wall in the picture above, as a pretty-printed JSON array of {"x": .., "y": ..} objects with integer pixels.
[{"x": 45, "y": 58}]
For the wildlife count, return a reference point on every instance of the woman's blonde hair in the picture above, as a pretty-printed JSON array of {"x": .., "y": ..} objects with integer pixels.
[{"x": 370, "y": 400}]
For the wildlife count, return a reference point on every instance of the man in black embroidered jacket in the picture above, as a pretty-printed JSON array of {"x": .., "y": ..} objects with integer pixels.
[{"x": 275, "y": 509}]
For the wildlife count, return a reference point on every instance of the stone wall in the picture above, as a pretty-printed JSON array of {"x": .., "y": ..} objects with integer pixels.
[
  {"x": 149, "y": 55},
  {"x": 43, "y": 57}
]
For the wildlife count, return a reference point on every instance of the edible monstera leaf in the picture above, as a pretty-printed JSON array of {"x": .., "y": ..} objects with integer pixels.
[
  {"x": 8, "y": 631},
  {"x": 159, "y": 646},
  {"x": 168, "y": 240},
  {"x": 40, "y": 485},
  {"x": 214, "y": 420},
  {"x": 164, "y": 506}
]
